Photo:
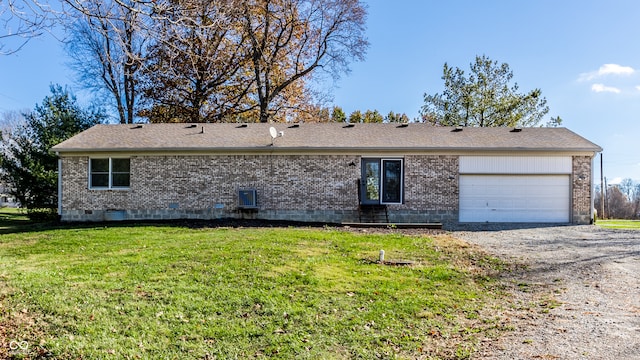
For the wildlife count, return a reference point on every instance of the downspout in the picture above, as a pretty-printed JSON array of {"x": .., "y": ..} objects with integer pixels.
[{"x": 59, "y": 185}]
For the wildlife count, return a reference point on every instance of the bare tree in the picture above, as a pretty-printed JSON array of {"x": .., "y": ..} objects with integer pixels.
[
  {"x": 195, "y": 72},
  {"x": 106, "y": 49},
  {"x": 22, "y": 20},
  {"x": 618, "y": 205},
  {"x": 255, "y": 64},
  {"x": 635, "y": 202},
  {"x": 627, "y": 187},
  {"x": 290, "y": 39},
  {"x": 212, "y": 61},
  {"x": 11, "y": 119}
]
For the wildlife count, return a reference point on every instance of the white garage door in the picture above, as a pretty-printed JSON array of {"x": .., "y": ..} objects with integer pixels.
[{"x": 514, "y": 198}]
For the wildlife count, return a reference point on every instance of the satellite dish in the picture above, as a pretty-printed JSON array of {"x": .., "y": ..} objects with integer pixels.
[{"x": 273, "y": 132}]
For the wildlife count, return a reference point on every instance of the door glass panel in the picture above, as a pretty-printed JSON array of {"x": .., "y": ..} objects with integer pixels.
[
  {"x": 392, "y": 181},
  {"x": 370, "y": 181}
]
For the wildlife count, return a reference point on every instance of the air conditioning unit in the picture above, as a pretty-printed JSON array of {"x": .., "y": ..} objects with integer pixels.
[{"x": 247, "y": 199}]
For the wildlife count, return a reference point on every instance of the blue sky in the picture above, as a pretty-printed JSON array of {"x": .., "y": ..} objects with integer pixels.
[{"x": 583, "y": 55}]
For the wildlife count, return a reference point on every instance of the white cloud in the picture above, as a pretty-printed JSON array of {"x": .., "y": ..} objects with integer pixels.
[
  {"x": 638, "y": 87},
  {"x": 603, "y": 88},
  {"x": 615, "y": 69},
  {"x": 605, "y": 70},
  {"x": 615, "y": 181}
]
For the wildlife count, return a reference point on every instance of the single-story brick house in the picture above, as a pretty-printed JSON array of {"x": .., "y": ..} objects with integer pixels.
[{"x": 329, "y": 172}]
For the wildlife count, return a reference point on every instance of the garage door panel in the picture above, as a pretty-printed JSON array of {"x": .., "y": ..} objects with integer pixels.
[{"x": 514, "y": 198}]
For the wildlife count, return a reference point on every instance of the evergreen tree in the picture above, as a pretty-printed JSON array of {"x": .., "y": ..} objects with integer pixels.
[
  {"x": 356, "y": 117},
  {"x": 26, "y": 163},
  {"x": 373, "y": 116},
  {"x": 338, "y": 115},
  {"x": 485, "y": 97}
]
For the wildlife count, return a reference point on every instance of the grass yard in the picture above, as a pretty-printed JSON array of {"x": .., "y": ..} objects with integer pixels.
[
  {"x": 619, "y": 224},
  {"x": 177, "y": 292},
  {"x": 12, "y": 219}
]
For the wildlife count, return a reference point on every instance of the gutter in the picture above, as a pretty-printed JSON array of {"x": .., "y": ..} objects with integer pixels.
[
  {"x": 303, "y": 149},
  {"x": 59, "y": 184}
]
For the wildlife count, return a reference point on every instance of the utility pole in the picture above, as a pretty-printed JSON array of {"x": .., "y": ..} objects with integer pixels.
[
  {"x": 601, "y": 189},
  {"x": 606, "y": 193}
]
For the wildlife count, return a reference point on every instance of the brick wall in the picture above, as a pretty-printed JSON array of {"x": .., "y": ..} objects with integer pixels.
[
  {"x": 581, "y": 183},
  {"x": 319, "y": 188},
  {"x": 431, "y": 182},
  {"x": 431, "y": 188},
  {"x": 282, "y": 182},
  {"x": 292, "y": 187}
]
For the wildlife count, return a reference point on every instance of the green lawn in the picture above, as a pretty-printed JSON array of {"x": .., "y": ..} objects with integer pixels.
[
  {"x": 11, "y": 218},
  {"x": 175, "y": 292},
  {"x": 619, "y": 224}
]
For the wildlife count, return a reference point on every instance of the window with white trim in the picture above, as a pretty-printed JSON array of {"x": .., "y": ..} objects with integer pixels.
[
  {"x": 382, "y": 181},
  {"x": 109, "y": 173}
]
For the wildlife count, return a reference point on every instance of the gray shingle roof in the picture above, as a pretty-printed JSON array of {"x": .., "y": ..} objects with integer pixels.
[{"x": 319, "y": 137}]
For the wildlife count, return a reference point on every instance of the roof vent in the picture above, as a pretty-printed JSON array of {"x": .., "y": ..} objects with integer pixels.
[
  {"x": 349, "y": 126},
  {"x": 241, "y": 126},
  {"x": 139, "y": 126},
  {"x": 516, "y": 129},
  {"x": 404, "y": 125},
  {"x": 457, "y": 129},
  {"x": 294, "y": 126},
  {"x": 191, "y": 126}
]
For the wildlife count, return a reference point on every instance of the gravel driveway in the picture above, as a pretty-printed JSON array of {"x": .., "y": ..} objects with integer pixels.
[{"x": 592, "y": 276}]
